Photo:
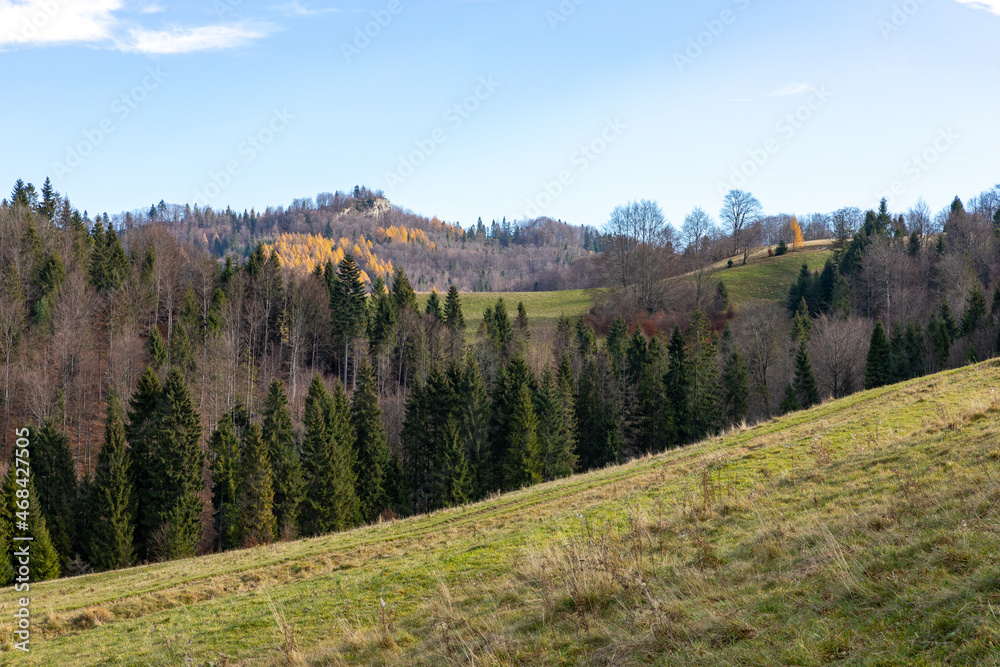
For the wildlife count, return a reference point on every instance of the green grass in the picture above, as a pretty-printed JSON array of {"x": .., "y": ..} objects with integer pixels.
[
  {"x": 768, "y": 279},
  {"x": 544, "y": 308},
  {"x": 865, "y": 531}
]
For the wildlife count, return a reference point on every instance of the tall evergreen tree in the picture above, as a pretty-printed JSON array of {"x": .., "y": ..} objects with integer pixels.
[
  {"x": 736, "y": 381},
  {"x": 279, "y": 438},
  {"x": 256, "y": 493},
  {"x": 172, "y": 515},
  {"x": 677, "y": 423},
  {"x": 156, "y": 348},
  {"x": 112, "y": 501},
  {"x": 373, "y": 446},
  {"x": 346, "y": 504},
  {"x": 523, "y": 464},
  {"x": 452, "y": 480},
  {"x": 598, "y": 415},
  {"x": 225, "y": 449},
  {"x": 55, "y": 478},
  {"x": 139, "y": 434},
  {"x": 878, "y": 369},
  {"x": 348, "y": 307},
  {"x": 433, "y": 307},
  {"x": 806, "y": 393},
  {"x": 473, "y": 419},
  {"x": 316, "y": 514},
  {"x": 556, "y": 428},
  {"x": 975, "y": 312}
]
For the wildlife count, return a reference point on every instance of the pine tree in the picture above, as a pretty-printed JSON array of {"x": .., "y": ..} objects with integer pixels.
[
  {"x": 44, "y": 556},
  {"x": 54, "y": 476},
  {"x": 616, "y": 342},
  {"x": 139, "y": 433},
  {"x": 598, "y": 415},
  {"x": 473, "y": 417},
  {"x": 453, "y": 482},
  {"x": 7, "y": 516},
  {"x": 402, "y": 292},
  {"x": 736, "y": 381},
  {"x": 806, "y": 393},
  {"x": 279, "y": 438},
  {"x": 878, "y": 368},
  {"x": 181, "y": 352},
  {"x": 975, "y": 312},
  {"x": 453, "y": 316},
  {"x": 802, "y": 324},
  {"x": 348, "y": 307},
  {"x": 677, "y": 423},
  {"x": 316, "y": 514},
  {"x": 346, "y": 504},
  {"x": 225, "y": 449},
  {"x": 433, "y": 307},
  {"x": 173, "y": 511},
  {"x": 112, "y": 500},
  {"x": 707, "y": 411},
  {"x": 256, "y": 498},
  {"x": 373, "y": 446}
]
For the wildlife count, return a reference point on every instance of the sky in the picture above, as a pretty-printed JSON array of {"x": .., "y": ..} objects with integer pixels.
[{"x": 502, "y": 108}]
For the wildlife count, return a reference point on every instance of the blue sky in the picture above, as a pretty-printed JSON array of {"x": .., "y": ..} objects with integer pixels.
[{"x": 468, "y": 108}]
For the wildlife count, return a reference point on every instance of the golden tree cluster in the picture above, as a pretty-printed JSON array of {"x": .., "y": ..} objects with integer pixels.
[
  {"x": 304, "y": 252},
  {"x": 401, "y": 234}
]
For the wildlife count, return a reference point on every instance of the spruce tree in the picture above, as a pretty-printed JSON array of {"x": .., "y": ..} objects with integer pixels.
[
  {"x": 878, "y": 368},
  {"x": 975, "y": 312},
  {"x": 173, "y": 512},
  {"x": 600, "y": 438},
  {"x": 789, "y": 403},
  {"x": 346, "y": 505},
  {"x": 44, "y": 556},
  {"x": 112, "y": 500},
  {"x": 677, "y": 423},
  {"x": 523, "y": 465},
  {"x": 279, "y": 438},
  {"x": 433, "y": 307},
  {"x": 736, "y": 381},
  {"x": 452, "y": 480},
  {"x": 453, "y": 316},
  {"x": 54, "y": 476},
  {"x": 7, "y": 517},
  {"x": 348, "y": 307},
  {"x": 139, "y": 433},
  {"x": 225, "y": 449},
  {"x": 256, "y": 493},
  {"x": 316, "y": 513},
  {"x": 556, "y": 428},
  {"x": 156, "y": 348},
  {"x": 473, "y": 418},
  {"x": 806, "y": 393},
  {"x": 373, "y": 446}
]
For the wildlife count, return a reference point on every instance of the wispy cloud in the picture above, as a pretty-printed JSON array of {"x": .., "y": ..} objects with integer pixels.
[
  {"x": 992, "y": 6},
  {"x": 111, "y": 25},
  {"x": 794, "y": 89},
  {"x": 189, "y": 40},
  {"x": 293, "y": 9}
]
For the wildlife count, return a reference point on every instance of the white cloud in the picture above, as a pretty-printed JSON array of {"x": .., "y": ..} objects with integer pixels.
[
  {"x": 100, "y": 23},
  {"x": 188, "y": 40},
  {"x": 794, "y": 89},
  {"x": 992, "y": 6},
  {"x": 295, "y": 9},
  {"x": 56, "y": 21}
]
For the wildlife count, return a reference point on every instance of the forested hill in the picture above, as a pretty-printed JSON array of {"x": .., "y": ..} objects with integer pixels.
[{"x": 491, "y": 256}]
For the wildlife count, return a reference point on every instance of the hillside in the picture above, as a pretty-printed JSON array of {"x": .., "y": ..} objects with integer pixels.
[
  {"x": 544, "y": 308},
  {"x": 864, "y": 531}
]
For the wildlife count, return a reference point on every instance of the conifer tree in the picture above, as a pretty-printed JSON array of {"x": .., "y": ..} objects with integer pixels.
[
  {"x": 789, "y": 403},
  {"x": 156, "y": 348},
  {"x": 506, "y": 396},
  {"x": 225, "y": 449},
  {"x": 707, "y": 413},
  {"x": 7, "y": 510},
  {"x": 736, "y": 381},
  {"x": 556, "y": 428},
  {"x": 428, "y": 411},
  {"x": 383, "y": 317},
  {"x": 112, "y": 500},
  {"x": 453, "y": 316},
  {"x": 181, "y": 352},
  {"x": 806, "y": 393},
  {"x": 523, "y": 465},
  {"x": 598, "y": 415},
  {"x": 256, "y": 493},
  {"x": 802, "y": 324},
  {"x": 54, "y": 476},
  {"x": 677, "y": 427},
  {"x": 878, "y": 369},
  {"x": 279, "y": 438},
  {"x": 975, "y": 312},
  {"x": 373, "y": 446},
  {"x": 348, "y": 307},
  {"x": 173, "y": 512},
  {"x": 346, "y": 504},
  {"x": 616, "y": 343},
  {"x": 402, "y": 291},
  {"x": 433, "y": 307},
  {"x": 452, "y": 480},
  {"x": 44, "y": 556},
  {"x": 473, "y": 419},
  {"x": 139, "y": 433},
  {"x": 316, "y": 513}
]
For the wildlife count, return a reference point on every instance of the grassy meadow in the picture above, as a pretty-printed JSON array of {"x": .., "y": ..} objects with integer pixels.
[{"x": 865, "y": 531}]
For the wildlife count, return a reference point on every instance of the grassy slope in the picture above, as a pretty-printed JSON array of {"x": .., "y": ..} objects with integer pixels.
[
  {"x": 768, "y": 278},
  {"x": 544, "y": 308},
  {"x": 865, "y": 531}
]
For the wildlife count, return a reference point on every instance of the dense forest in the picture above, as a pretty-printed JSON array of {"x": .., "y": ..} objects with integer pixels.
[{"x": 182, "y": 403}]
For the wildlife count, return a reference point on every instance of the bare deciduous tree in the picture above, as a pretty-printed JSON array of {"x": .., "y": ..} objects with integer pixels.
[
  {"x": 838, "y": 349},
  {"x": 740, "y": 211}
]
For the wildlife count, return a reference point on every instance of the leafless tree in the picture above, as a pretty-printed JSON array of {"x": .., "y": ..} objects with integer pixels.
[
  {"x": 740, "y": 211},
  {"x": 761, "y": 333},
  {"x": 838, "y": 348}
]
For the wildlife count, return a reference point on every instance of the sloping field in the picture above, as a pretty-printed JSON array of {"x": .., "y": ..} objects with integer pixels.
[
  {"x": 768, "y": 278},
  {"x": 544, "y": 308},
  {"x": 865, "y": 531}
]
